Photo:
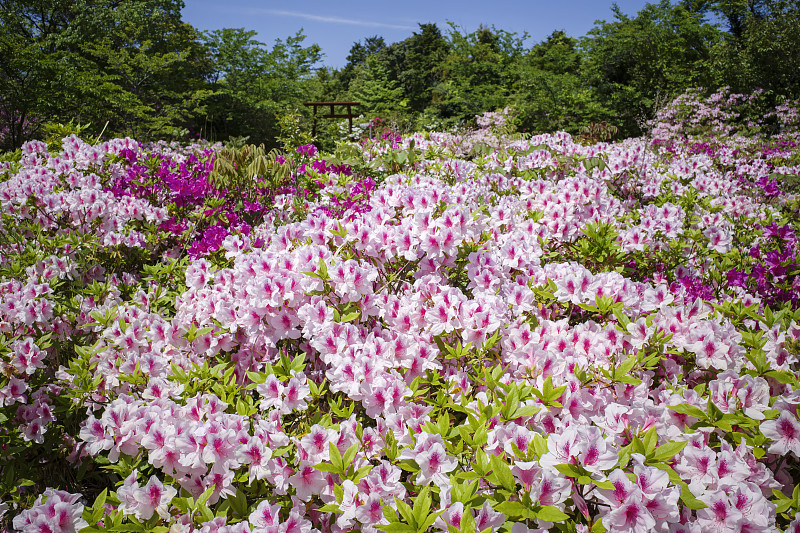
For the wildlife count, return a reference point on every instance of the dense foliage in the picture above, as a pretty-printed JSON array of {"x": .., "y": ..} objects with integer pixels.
[
  {"x": 135, "y": 68},
  {"x": 474, "y": 331}
]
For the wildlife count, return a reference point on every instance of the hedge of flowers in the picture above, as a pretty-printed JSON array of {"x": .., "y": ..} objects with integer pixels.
[{"x": 476, "y": 332}]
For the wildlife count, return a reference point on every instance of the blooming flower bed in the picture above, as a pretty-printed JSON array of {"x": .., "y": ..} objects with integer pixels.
[{"x": 488, "y": 333}]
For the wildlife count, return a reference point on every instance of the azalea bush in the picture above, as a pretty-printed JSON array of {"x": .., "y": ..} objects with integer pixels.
[{"x": 471, "y": 331}]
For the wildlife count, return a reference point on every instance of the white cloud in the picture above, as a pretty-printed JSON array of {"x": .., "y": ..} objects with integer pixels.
[{"x": 333, "y": 20}]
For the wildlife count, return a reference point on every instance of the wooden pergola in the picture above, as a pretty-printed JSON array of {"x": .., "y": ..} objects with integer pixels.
[{"x": 332, "y": 114}]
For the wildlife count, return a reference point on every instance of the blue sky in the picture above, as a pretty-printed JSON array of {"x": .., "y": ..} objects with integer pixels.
[{"x": 335, "y": 26}]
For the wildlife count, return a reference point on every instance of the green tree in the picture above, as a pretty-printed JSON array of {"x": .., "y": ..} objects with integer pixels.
[
  {"x": 131, "y": 63},
  {"x": 358, "y": 55},
  {"x": 634, "y": 63},
  {"x": 550, "y": 94},
  {"x": 379, "y": 95},
  {"x": 478, "y": 73},
  {"x": 737, "y": 13},
  {"x": 148, "y": 69},
  {"x": 254, "y": 83},
  {"x": 763, "y": 52},
  {"x": 420, "y": 71}
]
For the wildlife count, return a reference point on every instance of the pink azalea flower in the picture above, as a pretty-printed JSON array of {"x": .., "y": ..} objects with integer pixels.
[
  {"x": 307, "y": 481},
  {"x": 488, "y": 518},
  {"x": 154, "y": 498},
  {"x": 784, "y": 433},
  {"x": 315, "y": 443},
  {"x": 266, "y": 518},
  {"x": 271, "y": 392},
  {"x": 127, "y": 494},
  {"x": 697, "y": 465},
  {"x": 624, "y": 490},
  {"x": 711, "y": 352},
  {"x": 526, "y": 473},
  {"x": 561, "y": 448},
  {"x": 720, "y": 515},
  {"x": 296, "y": 523},
  {"x": 55, "y": 511},
  {"x": 296, "y": 392},
  {"x": 451, "y": 517},
  {"x": 593, "y": 451},
  {"x": 553, "y": 489},
  {"x": 348, "y": 505},
  {"x": 434, "y": 463},
  {"x": 220, "y": 450},
  {"x": 370, "y": 514},
  {"x": 632, "y": 516},
  {"x": 256, "y": 455}
]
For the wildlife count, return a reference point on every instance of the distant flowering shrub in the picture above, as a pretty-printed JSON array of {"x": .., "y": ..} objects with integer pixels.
[
  {"x": 496, "y": 119},
  {"x": 723, "y": 113}
]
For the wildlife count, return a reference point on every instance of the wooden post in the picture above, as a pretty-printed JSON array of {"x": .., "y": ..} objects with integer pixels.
[
  {"x": 350, "y": 117},
  {"x": 332, "y": 114}
]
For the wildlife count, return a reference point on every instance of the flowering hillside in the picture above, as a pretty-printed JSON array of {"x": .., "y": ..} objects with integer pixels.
[{"x": 441, "y": 332}]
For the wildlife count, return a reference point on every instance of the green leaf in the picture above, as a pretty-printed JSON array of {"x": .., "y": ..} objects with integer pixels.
[
  {"x": 409, "y": 465},
  {"x": 625, "y": 367},
  {"x": 512, "y": 403},
  {"x": 326, "y": 467},
  {"x": 467, "y": 523},
  {"x": 502, "y": 473},
  {"x": 406, "y": 512},
  {"x": 428, "y": 522},
  {"x": 570, "y": 470},
  {"x": 649, "y": 440},
  {"x": 360, "y": 473},
  {"x": 689, "y": 499},
  {"x": 239, "y": 503},
  {"x": 330, "y": 508},
  {"x": 621, "y": 317},
  {"x": 396, "y": 527},
  {"x": 204, "y": 497},
  {"x": 782, "y": 376},
  {"x": 539, "y": 444},
  {"x": 690, "y": 410},
  {"x": 603, "y": 484},
  {"x": 422, "y": 506},
  {"x": 525, "y": 411},
  {"x": 349, "y": 316},
  {"x": 668, "y": 450},
  {"x": 98, "y": 509},
  {"x": 551, "y": 513},
  {"x": 349, "y": 455},
  {"x": 782, "y": 503},
  {"x": 513, "y": 510},
  {"x": 336, "y": 457}
]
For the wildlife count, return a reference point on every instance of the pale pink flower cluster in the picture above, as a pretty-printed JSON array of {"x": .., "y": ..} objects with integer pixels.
[
  {"x": 450, "y": 254},
  {"x": 68, "y": 194},
  {"x": 143, "y": 502},
  {"x": 55, "y": 511},
  {"x": 732, "y": 484}
]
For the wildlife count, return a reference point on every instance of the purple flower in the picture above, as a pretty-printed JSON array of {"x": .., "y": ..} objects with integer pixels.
[
  {"x": 737, "y": 278},
  {"x": 784, "y": 233},
  {"x": 307, "y": 149},
  {"x": 210, "y": 242},
  {"x": 770, "y": 186},
  {"x": 129, "y": 155},
  {"x": 319, "y": 166}
]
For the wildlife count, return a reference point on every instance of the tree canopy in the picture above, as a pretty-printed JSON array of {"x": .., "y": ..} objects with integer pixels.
[{"x": 135, "y": 67}]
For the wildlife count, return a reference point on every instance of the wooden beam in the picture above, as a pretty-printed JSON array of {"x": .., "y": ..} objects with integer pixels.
[{"x": 332, "y": 114}]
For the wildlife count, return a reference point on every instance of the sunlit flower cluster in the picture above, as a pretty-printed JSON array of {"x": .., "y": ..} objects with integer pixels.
[{"x": 543, "y": 335}]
